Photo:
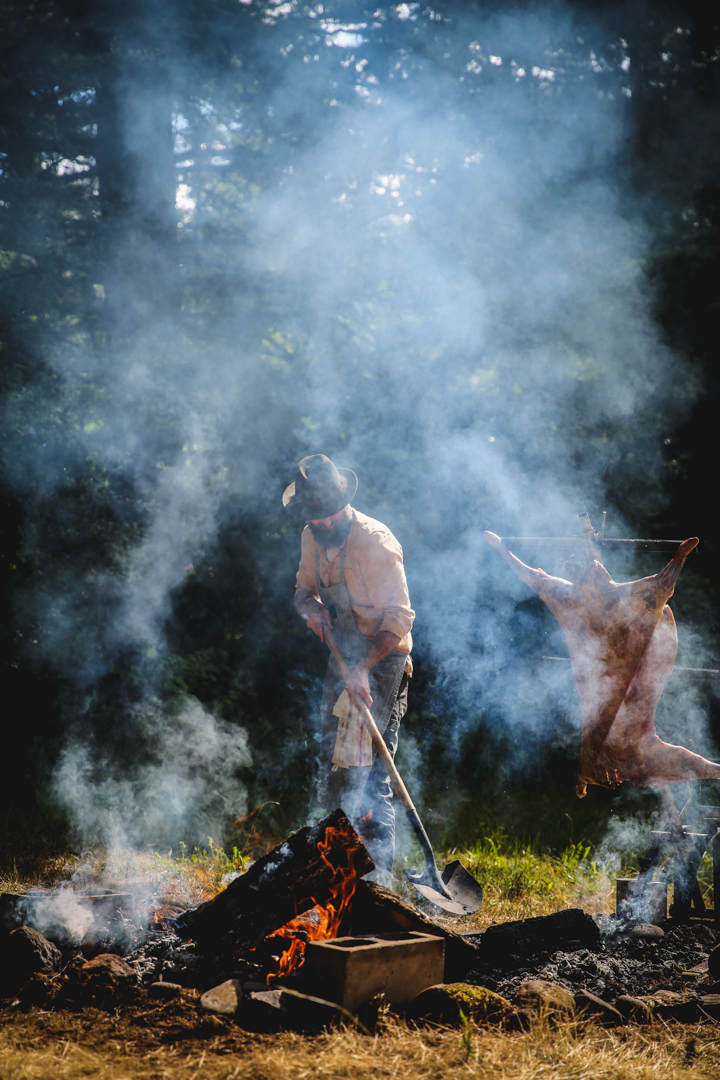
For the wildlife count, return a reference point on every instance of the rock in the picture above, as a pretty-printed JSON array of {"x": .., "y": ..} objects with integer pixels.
[
  {"x": 670, "y": 1005},
  {"x": 224, "y": 1000},
  {"x": 108, "y": 964},
  {"x": 713, "y": 963},
  {"x": 29, "y": 953},
  {"x": 303, "y": 1012},
  {"x": 710, "y": 1003},
  {"x": 164, "y": 991},
  {"x": 646, "y": 932},
  {"x": 634, "y": 1009},
  {"x": 270, "y": 1011},
  {"x": 563, "y": 931},
  {"x": 13, "y": 910},
  {"x": 105, "y": 982},
  {"x": 260, "y": 1011},
  {"x": 537, "y": 995},
  {"x": 443, "y": 1004},
  {"x": 587, "y": 1005}
]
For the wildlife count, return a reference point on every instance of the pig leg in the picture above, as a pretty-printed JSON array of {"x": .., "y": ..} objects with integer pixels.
[{"x": 664, "y": 763}]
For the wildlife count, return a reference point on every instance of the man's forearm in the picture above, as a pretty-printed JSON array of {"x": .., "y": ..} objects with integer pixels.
[
  {"x": 357, "y": 682},
  {"x": 301, "y": 598},
  {"x": 385, "y": 642}
]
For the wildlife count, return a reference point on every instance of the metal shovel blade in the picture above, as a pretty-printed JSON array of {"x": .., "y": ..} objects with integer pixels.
[{"x": 461, "y": 893}]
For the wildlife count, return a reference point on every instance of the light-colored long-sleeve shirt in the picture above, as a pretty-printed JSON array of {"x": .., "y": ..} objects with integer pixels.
[{"x": 374, "y": 576}]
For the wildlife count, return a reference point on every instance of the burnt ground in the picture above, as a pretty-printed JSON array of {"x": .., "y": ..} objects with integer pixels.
[
  {"x": 633, "y": 962},
  {"x": 123, "y": 1013},
  {"x": 143, "y": 1025},
  {"x": 114, "y": 1027},
  {"x": 150, "y": 1040}
]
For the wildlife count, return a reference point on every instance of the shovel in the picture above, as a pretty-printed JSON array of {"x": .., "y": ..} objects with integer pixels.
[{"x": 455, "y": 890}]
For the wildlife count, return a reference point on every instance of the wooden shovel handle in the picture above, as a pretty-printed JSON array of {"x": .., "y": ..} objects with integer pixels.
[
  {"x": 431, "y": 876},
  {"x": 379, "y": 743}
]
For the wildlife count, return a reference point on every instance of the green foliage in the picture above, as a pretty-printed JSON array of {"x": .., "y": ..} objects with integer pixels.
[
  {"x": 514, "y": 871},
  {"x": 467, "y": 1037},
  {"x": 212, "y": 864}
]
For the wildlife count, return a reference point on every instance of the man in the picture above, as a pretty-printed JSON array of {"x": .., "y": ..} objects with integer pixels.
[{"x": 351, "y": 578}]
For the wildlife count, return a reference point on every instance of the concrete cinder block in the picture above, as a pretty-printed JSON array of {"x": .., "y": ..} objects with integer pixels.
[{"x": 351, "y": 970}]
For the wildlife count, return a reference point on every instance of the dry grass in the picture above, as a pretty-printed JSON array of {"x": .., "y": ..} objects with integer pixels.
[
  {"x": 580, "y": 1052},
  {"x": 53, "y": 870}
]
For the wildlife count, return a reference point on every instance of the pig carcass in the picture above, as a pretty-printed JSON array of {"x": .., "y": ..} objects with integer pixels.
[{"x": 622, "y": 642}]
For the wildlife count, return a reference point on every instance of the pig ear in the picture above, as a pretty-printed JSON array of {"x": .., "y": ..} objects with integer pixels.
[
  {"x": 686, "y": 547},
  {"x": 492, "y": 539}
]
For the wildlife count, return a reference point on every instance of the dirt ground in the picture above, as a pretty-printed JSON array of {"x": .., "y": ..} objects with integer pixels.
[{"x": 149, "y": 1040}]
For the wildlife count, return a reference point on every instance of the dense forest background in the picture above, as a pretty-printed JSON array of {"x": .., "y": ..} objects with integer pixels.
[{"x": 469, "y": 250}]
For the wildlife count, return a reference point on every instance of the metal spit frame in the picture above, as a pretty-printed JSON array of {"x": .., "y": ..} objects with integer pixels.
[{"x": 687, "y": 844}]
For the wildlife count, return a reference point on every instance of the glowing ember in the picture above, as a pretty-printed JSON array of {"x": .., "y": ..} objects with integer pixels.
[
  {"x": 164, "y": 916},
  {"x": 321, "y": 922}
]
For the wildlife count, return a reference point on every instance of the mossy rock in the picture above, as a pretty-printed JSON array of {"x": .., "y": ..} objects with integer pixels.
[
  {"x": 539, "y": 995},
  {"x": 444, "y": 1004}
]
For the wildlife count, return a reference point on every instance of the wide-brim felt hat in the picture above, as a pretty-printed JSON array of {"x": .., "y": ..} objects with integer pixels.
[{"x": 319, "y": 489}]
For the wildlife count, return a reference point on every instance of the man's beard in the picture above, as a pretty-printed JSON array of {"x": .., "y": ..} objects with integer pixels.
[{"x": 335, "y": 536}]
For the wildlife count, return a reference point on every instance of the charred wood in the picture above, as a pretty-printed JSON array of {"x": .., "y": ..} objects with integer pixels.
[
  {"x": 563, "y": 931},
  {"x": 289, "y": 880}
]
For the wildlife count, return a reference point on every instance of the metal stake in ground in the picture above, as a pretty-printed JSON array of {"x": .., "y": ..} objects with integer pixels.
[{"x": 455, "y": 891}]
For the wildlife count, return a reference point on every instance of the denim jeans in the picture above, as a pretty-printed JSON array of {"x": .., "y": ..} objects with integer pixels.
[{"x": 365, "y": 794}]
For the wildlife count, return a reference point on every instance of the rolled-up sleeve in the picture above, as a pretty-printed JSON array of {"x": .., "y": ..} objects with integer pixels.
[
  {"x": 386, "y": 584},
  {"x": 306, "y": 571}
]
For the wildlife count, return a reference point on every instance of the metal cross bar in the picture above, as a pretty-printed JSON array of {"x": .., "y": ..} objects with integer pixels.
[
  {"x": 661, "y": 547},
  {"x": 688, "y": 672}
]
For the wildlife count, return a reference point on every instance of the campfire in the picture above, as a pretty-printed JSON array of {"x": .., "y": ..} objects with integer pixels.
[{"x": 303, "y": 940}]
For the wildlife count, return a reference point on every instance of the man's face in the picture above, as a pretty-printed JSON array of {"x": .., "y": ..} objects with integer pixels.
[{"x": 331, "y": 532}]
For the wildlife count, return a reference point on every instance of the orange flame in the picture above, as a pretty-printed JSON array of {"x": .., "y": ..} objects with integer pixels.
[{"x": 322, "y": 922}]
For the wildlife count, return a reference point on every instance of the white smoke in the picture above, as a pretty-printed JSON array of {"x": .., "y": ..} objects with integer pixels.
[
  {"x": 439, "y": 282},
  {"x": 187, "y": 789}
]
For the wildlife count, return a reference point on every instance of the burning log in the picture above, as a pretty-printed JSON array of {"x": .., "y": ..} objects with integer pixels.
[{"x": 294, "y": 877}]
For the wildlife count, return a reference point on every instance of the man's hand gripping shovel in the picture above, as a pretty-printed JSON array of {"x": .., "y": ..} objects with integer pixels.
[{"x": 455, "y": 890}]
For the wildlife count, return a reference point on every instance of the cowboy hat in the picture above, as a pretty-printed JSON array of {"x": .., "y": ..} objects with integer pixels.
[{"x": 319, "y": 489}]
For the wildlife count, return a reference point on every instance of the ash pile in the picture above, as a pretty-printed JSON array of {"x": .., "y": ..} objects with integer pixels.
[{"x": 302, "y": 941}]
